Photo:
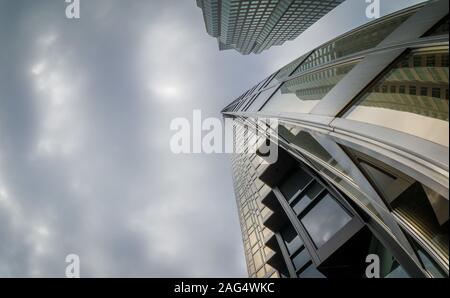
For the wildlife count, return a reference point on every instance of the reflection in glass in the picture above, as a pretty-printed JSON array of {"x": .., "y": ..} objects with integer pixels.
[
  {"x": 286, "y": 71},
  {"x": 412, "y": 97},
  {"x": 295, "y": 182},
  {"x": 360, "y": 40},
  {"x": 325, "y": 219},
  {"x": 291, "y": 239},
  {"x": 311, "y": 193},
  {"x": 300, "y": 259},
  {"x": 440, "y": 29},
  {"x": 260, "y": 99},
  {"x": 301, "y": 95}
]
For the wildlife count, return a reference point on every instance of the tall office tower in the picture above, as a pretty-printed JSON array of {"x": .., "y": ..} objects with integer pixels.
[
  {"x": 255, "y": 25},
  {"x": 361, "y": 183}
]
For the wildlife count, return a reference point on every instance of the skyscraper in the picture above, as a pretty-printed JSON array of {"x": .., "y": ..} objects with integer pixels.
[
  {"x": 360, "y": 186},
  {"x": 255, "y": 25}
]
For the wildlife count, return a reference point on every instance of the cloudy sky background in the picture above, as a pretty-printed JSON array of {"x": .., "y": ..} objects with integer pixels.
[{"x": 85, "y": 109}]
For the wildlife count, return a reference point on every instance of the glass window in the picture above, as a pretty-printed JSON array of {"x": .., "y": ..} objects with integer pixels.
[
  {"x": 294, "y": 183},
  {"x": 424, "y": 91},
  {"x": 311, "y": 272},
  {"x": 302, "y": 94},
  {"x": 440, "y": 29},
  {"x": 325, "y": 219},
  {"x": 360, "y": 40},
  {"x": 300, "y": 259},
  {"x": 286, "y": 71},
  {"x": 424, "y": 115},
  {"x": 383, "y": 180},
  {"x": 260, "y": 99},
  {"x": 291, "y": 239},
  {"x": 314, "y": 189}
]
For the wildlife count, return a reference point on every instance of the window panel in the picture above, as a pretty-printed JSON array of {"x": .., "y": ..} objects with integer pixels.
[
  {"x": 440, "y": 29},
  {"x": 302, "y": 94},
  {"x": 260, "y": 100},
  {"x": 291, "y": 239},
  {"x": 286, "y": 71},
  {"x": 363, "y": 39},
  {"x": 300, "y": 259},
  {"x": 325, "y": 219},
  {"x": 294, "y": 183},
  {"x": 424, "y": 115},
  {"x": 301, "y": 203}
]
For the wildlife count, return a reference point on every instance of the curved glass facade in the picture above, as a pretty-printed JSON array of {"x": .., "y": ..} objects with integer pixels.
[{"x": 363, "y": 137}]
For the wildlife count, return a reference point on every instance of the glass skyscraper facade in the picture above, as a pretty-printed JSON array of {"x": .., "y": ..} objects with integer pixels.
[
  {"x": 363, "y": 149},
  {"x": 252, "y": 26}
]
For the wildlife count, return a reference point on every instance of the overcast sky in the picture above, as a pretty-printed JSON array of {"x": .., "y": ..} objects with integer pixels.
[{"x": 85, "y": 109}]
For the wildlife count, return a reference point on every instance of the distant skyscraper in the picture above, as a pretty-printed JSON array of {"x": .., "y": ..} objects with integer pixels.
[
  {"x": 362, "y": 171},
  {"x": 255, "y": 25}
]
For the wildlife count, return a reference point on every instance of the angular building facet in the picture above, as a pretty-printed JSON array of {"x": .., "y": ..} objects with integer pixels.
[
  {"x": 252, "y": 26},
  {"x": 362, "y": 173}
]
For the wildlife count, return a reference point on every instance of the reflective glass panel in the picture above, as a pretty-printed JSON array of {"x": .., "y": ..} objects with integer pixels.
[
  {"x": 295, "y": 182},
  {"x": 440, "y": 29},
  {"x": 301, "y": 203},
  {"x": 291, "y": 239},
  {"x": 300, "y": 259},
  {"x": 286, "y": 71},
  {"x": 412, "y": 97},
  {"x": 360, "y": 40},
  {"x": 302, "y": 94},
  {"x": 260, "y": 99},
  {"x": 325, "y": 219}
]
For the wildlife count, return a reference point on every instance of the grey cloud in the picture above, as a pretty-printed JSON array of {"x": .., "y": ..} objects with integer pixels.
[{"x": 85, "y": 165}]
